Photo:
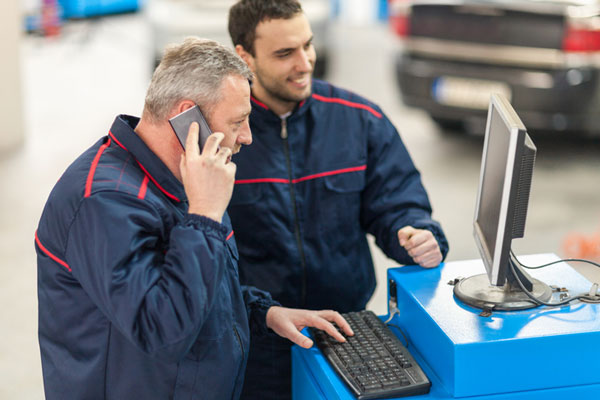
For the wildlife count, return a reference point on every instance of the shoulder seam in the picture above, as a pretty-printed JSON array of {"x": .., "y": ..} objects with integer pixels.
[{"x": 92, "y": 171}]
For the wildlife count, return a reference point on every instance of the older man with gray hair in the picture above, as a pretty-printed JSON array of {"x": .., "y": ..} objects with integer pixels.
[{"x": 137, "y": 263}]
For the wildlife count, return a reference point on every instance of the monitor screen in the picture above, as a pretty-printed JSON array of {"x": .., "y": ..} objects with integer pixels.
[
  {"x": 505, "y": 180},
  {"x": 500, "y": 213}
]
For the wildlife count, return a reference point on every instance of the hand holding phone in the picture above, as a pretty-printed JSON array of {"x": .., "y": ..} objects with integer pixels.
[
  {"x": 181, "y": 125},
  {"x": 207, "y": 178}
]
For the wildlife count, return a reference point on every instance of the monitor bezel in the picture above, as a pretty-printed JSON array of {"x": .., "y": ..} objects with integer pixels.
[{"x": 517, "y": 131}]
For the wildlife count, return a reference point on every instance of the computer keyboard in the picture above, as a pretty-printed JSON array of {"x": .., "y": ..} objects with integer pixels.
[{"x": 373, "y": 362}]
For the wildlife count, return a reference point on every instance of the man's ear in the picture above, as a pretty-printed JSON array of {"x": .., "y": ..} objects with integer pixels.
[
  {"x": 247, "y": 57},
  {"x": 181, "y": 106}
]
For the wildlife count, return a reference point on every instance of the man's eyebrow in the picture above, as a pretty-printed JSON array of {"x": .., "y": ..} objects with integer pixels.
[
  {"x": 241, "y": 116},
  {"x": 284, "y": 50},
  {"x": 290, "y": 49}
]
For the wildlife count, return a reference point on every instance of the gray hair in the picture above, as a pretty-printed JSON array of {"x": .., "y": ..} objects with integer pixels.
[{"x": 193, "y": 70}]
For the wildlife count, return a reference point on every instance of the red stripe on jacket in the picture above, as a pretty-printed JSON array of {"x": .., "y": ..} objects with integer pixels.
[
  {"x": 304, "y": 178},
  {"x": 328, "y": 173},
  {"x": 92, "y": 171},
  {"x": 143, "y": 188},
  {"x": 49, "y": 254},
  {"x": 263, "y": 105},
  {"x": 169, "y": 195},
  {"x": 117, "y": 142},
  {"x": 347, "y": 103},
  {"x": 263, "y": 180}
]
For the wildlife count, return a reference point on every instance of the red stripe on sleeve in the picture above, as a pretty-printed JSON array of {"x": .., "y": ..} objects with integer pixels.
[
  {"x": 230, "y": 235},
  {"x": 52, "y": 256},
  {"x": 347, "y": 103},
  {"x": 90, "y": 177}
]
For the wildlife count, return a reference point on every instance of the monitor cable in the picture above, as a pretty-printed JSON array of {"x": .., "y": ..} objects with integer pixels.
[
  {"x": 591, "y": 297},
  {"x": 554, "y": 262},
  {"x": 393, "y": 307}
]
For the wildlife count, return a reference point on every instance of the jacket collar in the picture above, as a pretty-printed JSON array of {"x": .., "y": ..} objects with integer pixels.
[
  {"x": 267, "y": 114},
  {"x": 122, "y": 133}
]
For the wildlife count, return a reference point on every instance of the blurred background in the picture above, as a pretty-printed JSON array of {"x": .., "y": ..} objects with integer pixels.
[{"x": 70, "y": 66}]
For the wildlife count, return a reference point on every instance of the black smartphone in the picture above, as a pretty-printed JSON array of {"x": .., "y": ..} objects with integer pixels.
[{"x": 181, "y": 125}]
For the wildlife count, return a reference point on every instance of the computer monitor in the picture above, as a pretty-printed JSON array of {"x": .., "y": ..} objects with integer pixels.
[{"x": 500, "y": 213}]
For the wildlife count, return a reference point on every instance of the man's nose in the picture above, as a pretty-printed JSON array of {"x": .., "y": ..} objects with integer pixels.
[
  {"x": 245, "y": 136},
  {"x": 305, "y": 62}
]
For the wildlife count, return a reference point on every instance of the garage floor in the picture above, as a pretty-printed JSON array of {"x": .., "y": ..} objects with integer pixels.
[{"x": 75, "y": 85}]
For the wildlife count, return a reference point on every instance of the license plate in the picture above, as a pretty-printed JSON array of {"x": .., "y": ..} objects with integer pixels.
[{"x": 467, "y": 93}]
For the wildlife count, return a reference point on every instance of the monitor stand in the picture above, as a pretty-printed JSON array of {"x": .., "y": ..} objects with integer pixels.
[{"x": 477, "y": 292}]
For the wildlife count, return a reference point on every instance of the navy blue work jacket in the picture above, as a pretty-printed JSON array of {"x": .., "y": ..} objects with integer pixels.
[
  {"x": 137, "y": 298},
  {"x": 308, "y": 190}
]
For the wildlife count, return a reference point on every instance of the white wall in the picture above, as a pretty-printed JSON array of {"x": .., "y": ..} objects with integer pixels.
[{"x": 11, "y": 104}]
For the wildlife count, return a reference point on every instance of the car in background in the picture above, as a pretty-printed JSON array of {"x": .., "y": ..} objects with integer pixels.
[
  {"x": 172, "y": 20},
  {"x": 544, "y": 56}
]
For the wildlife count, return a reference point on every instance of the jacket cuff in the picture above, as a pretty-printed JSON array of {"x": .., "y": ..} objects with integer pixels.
[
  {"x": 400, "y": 254},
  {"x": 259, "y": 316},
  {"x": 439, "y": 235},
  {"x": 206, "y": 224}
]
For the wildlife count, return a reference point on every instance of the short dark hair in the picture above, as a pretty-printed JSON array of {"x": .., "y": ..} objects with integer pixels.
[{"x": 245, "y": 15}]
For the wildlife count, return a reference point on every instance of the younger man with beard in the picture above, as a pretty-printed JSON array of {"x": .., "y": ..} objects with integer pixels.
[{"x": 325, "y": 168}]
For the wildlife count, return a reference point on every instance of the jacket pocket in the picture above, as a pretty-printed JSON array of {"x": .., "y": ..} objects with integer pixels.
[
  {"x": 346, "y": 182},
  {"x": 339, "y": 202},
  {"x": 252, "y": 215}
]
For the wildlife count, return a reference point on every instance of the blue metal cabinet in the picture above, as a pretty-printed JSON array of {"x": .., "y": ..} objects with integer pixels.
[{"x": 541, "y": 353}]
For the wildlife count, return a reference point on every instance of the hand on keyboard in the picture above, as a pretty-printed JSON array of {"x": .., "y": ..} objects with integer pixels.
[{"x": 288, "y": 322}]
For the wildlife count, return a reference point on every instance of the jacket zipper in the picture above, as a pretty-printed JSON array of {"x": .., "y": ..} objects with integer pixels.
[
  {"x": 286, "y": 149},
  {"x": 239, "y": 339}
]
